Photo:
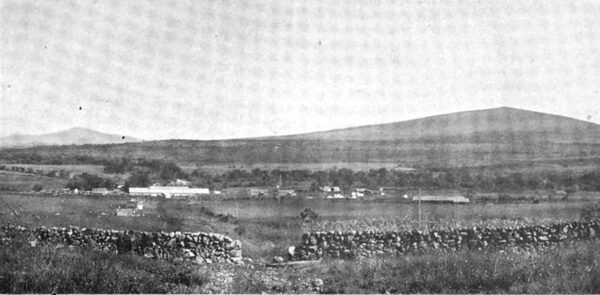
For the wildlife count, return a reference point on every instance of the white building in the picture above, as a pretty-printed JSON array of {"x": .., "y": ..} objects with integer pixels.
[
  {"x": 330, "y": 189},
  {"x": 179, "y": 182},
  {"x": 99, "y": 191},
  {"x": 167, "y": 191},
  {"x": 442, "y": 199}
]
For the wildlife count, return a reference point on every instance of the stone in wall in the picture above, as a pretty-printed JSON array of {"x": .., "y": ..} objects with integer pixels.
[
  {"x": 197, "y": 247},
  {"x": 353, "y": 244}
]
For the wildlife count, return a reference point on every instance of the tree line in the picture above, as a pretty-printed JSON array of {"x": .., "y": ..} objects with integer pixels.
[
  {"x": 61, "y": 173},
  {"x": 463, "y": 178},
  {"x": 144, "y": 172},
  {"x": 457, "y": 178}
]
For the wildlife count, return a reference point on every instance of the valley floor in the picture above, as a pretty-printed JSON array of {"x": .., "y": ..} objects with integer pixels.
[{"x": 266, "y": 228}]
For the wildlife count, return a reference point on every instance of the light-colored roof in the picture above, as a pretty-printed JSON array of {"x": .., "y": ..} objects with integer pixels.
[
  {"x": 454, "y": 199},
  {"x": 168, "y": 190}
]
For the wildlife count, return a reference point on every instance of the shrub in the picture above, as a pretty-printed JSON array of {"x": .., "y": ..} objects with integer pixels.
[
  {"x": 37, "y": 187},
  {"x": 591, "y": 212},
  {"x": 309, "y": 215}
]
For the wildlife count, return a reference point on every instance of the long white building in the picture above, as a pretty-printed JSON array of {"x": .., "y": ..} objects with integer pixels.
[
  {"x": 442, "y": 199},
  {"x": 167, "y": 191}
]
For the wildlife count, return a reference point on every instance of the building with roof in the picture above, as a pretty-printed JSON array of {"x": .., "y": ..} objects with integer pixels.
[
  {"x": 257, "y": 192},
  {"x": 167, "y": 191},
  {"x": 180, "y": 182},
  {"x": 286, "y": 193},
  {"x": 442, "y": 199},
  {"x": 100, "y": 191}
]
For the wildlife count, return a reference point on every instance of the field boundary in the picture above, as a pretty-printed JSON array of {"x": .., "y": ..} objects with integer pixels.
[
  {"x": 352, "y": 244},
  {"x": 197, "y": 247}
]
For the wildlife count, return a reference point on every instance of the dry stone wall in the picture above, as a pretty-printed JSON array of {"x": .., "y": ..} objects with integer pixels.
[
  {"x": 198, "y": 247},
  {"x": 368, "y": 243}
]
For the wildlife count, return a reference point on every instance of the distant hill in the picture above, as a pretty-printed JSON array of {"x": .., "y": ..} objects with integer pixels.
[
  {"x": 75, "y": 135},
  {"x": 491, "y": 125},
  {"x": 501, "y": 136}
]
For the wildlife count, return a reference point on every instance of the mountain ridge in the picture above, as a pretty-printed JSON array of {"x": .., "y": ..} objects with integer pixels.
[
  {"x": 465, "y": 124},
  {"x": 74, "y": 135},
  {"x": 474, "y": 138}
]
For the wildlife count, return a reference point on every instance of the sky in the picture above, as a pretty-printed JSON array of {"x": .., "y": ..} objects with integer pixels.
[{"x": 224, "y": 69}]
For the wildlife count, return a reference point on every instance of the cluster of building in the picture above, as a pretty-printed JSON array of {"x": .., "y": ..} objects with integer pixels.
[
  {"x": 182, "y": 189},
  {"x": 325, "y": 192},
  {"x": 167, "y": 191},
  {"x": 335, "y": 192},
  {"x": 134, "y": 207}
]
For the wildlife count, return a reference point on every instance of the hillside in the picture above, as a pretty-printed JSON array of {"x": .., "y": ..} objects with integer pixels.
[
  {"x": 75, "y": 135},
  {"x": 491, "y": 125},
  {"x": 502, "y": 136}
]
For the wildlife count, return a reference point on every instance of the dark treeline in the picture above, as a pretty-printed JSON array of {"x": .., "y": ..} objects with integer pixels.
[
  {"x": 144, "y": 172},
  {"x": 51, "y": 173},
  {"x": 26, "y": 157},
  {"x": 445, "y": 179},
  {"x": 346, "y": 178},
  {"x": 87, "y": 182}
]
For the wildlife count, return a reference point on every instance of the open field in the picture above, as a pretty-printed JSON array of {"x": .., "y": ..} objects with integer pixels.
[
  {"x": 72, "y": 169},
  {"x": 353, "y": 209},
  {"x": 98, "y": 212},
  {"x": 267, "y": 227},
  {"x": 24, "y": 182}
]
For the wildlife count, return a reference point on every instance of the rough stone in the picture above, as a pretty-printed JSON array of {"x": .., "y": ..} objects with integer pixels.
[
  {"x": 369, "y": 243},
  {"x": 158, "y": 245}
]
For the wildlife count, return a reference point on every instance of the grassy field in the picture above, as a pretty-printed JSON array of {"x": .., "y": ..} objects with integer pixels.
[
  {"x": 46, "y": 270},
  {"x": 98, "y": 212},
  {"x": 24, "y": 182},
  {"x": 267, "y": 227},
  {"x": 570, "y": 269},
  {"x": 353, "y": 209},
  {"x": 72, "y": 169}
]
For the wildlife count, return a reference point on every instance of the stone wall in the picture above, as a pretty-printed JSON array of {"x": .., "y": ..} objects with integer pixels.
[
  {"x": 368, "y": 243},
  {"x": 197, "y": 247}
]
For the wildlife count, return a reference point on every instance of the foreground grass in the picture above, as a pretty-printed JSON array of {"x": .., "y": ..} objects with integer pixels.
[
  {"x": 569, "y": 269},
  {"x": 46, "y": 269}
]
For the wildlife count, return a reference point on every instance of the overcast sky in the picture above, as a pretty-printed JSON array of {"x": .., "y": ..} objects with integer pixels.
[{"x": 223, "y": 69}]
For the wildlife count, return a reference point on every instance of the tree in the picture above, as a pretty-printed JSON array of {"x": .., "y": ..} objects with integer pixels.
[
  {"x": 119, "y": 166},
  {"x": 37, "y": 187},
  {"x": 139, "y": 179},
  {"x": 87, "y": 181},
  {"x": 170, "y": 171},
  {"x": 309, "y": 215}
]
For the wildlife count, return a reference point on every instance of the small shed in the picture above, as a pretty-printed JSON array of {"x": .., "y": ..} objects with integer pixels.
[
  {"x": 126, "y": 212},
  {"x": 286, "y": 193},
  {"x": 100, "y": 191},
  {"x": 258, "y": 192}
]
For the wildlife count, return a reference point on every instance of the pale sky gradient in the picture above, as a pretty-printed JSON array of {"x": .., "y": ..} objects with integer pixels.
[{"x": 222, "y": 69}]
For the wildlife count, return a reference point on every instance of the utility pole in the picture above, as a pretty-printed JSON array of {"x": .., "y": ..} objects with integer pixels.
[
  {"x": 419, "y": 208},
  {"x": 279, "y": 185}
]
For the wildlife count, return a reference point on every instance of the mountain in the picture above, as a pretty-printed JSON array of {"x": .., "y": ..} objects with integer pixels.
[
  {"x": 500, "y": 136},
  {"x": 75, "y": 135},
  {"x": 491, "y": 125}
]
